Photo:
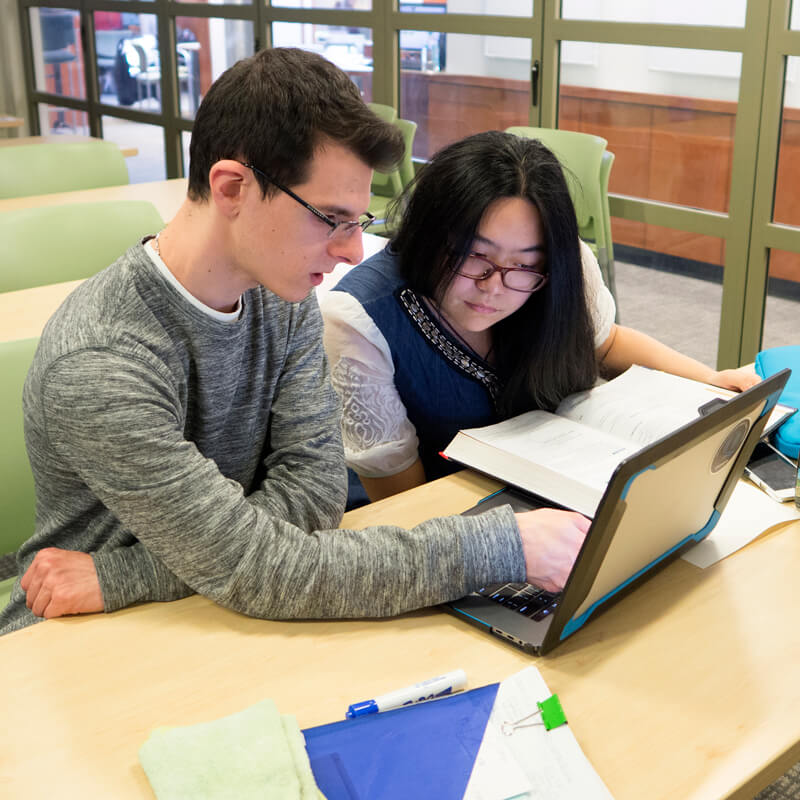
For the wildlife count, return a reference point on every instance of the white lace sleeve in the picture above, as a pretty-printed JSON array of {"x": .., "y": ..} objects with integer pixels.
[
  {"x": 379, "y": 439},
  {"x": 602, "y": 308}
]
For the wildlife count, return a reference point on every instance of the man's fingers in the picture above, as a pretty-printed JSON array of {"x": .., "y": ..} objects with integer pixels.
[
  {"x": 583, "y": 523},
  {"x": 40, "y": 601},
  {"x": 59, "y": 604},
  {"x": 32, "y": 583}
]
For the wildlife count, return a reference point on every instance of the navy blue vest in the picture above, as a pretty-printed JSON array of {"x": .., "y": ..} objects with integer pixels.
[{"x": 443, "y": 387}]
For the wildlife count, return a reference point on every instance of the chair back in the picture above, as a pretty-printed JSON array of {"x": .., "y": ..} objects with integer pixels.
[
  {"x": 48, "y": 167},
  {"x": 105, "y": 45},
  {"x": 387, "y": 186},
  {"x": 58, "y": 30},
  {"x": 587, "y": 166},
  {"x": 605, "y": 173},
  {"x": 17, "y": 497},
  {"x": 142, "y": 57},
  {"x": 581, "y": 154},
  {"x": 386, "y": 113},
  {"x": 52, "y": 244},
  {"x": 406, "y": 168}
]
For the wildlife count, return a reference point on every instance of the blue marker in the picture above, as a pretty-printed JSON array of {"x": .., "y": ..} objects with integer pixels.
[{"x": 418, "y": 693}]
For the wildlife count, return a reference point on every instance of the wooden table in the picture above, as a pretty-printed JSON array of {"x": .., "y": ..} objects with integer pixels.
[
  {"x": 167, "y": 196},
  {"x": 686, "y": 689},
  {"x": 58, "y": 138},
  {"x": 24, "y": 312},
  {"x": 7, "y": 121}
]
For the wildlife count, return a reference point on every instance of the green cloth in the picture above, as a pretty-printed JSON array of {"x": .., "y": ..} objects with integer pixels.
[{"x": 255, "y": 753}]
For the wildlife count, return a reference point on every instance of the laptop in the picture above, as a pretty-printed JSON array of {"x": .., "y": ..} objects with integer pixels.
[{"x": 659, "y": 502}]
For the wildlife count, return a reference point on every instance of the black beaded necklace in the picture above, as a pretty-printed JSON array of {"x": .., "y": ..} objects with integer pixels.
[{"x": 443, "y": 319}]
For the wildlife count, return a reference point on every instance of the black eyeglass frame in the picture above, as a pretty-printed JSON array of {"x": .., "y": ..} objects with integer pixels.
[
  {"x": 492, "y": 268},
  {"x": 346, "y": 226}
]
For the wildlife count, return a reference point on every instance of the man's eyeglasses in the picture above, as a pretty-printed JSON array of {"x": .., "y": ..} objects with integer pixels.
[
  {"x": 338, "y": 230},
  {"x": 520, "y": 279}
]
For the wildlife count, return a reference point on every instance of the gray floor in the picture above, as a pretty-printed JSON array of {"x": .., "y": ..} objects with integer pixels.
[{"x": 684, "y": 312}]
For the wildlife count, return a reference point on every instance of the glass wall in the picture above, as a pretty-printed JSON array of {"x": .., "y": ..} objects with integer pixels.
[
  {"x": 57, "y": 51},
  {"x": 353, "y": 5},
  {"x": 59, "y": 120},
  {"x": 128, "y": 60},
  {"x": 668, "y": 114},
  {"x": 454, "y": 84},
  {"x": 787, "y": 201},
  {"x": 350, "y": 48},
  {"x": 148, "y": 164},
  {"x": 512, "y": 8},
  {"x": 782, "y": 305},
  {"x": 206, "y": 47},
  {"x": 669, "y": 93},
  {"x": 730, "y": 13}
]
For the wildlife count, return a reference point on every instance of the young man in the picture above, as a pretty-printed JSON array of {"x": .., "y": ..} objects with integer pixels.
[{"x": 180, "y": 422}]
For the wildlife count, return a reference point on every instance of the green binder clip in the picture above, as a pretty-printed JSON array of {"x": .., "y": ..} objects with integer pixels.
[{"x": 552, "y": 716}]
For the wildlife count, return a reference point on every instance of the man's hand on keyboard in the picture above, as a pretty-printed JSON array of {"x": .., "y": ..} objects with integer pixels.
[{"x": 551, "y": 540}]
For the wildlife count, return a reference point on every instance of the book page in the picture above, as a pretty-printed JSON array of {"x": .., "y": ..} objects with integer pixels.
[
  {"x": 641, "y": 405},
  {"x": 584, "y": 454}
]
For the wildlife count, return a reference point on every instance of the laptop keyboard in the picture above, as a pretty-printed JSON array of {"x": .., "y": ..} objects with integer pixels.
[{"x": 522, "y": 597}]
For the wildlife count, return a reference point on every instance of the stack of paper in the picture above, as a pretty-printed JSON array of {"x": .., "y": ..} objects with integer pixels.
[{"x": 530, "y": 762}]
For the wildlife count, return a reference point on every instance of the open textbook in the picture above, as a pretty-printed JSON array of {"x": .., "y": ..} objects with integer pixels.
[{"x": 569, "y": 456}]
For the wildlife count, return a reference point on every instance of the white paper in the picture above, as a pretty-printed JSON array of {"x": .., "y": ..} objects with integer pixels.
[
  {"x": 552, "y": 761},
  {"x": 747, "y": 515},
  {"x": 496, "y": 774}
]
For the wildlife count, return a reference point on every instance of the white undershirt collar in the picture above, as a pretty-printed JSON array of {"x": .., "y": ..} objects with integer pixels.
[{"x": 221, "y": 316}]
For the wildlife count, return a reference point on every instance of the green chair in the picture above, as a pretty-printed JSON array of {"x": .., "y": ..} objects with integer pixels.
[
  {"x": 52, "y": 244},
  {"x": 17, "y": 498},
  {"x": 587, "y": 168},
  {"x": 30, "y": 169},
  {"x": 386, "y": 186},
  {"x": 605, "y": 173},
  {"x": 386, "y": 113}
]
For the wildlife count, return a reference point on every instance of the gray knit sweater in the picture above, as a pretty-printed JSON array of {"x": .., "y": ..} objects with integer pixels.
[{"x": 188, "y": 454}]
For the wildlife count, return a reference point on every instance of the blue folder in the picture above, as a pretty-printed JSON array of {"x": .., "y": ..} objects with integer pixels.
[{"x": 421, "y": 751}]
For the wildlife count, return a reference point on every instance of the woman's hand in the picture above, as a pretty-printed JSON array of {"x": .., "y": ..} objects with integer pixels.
[{"x": 736, "y": 379}]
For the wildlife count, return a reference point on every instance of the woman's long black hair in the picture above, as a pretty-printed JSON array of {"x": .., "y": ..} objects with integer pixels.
[{"x": 545, "y": 350}]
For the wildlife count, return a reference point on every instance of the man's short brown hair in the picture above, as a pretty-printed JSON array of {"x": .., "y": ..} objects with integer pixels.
[{"x": 274, "y": 109}]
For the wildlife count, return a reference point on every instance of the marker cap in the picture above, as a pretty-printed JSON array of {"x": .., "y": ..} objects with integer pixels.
[{"x": 359, "y": 709}]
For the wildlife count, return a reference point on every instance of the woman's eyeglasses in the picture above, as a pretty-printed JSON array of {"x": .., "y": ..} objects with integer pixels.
[{"x": 520, "y": 279}]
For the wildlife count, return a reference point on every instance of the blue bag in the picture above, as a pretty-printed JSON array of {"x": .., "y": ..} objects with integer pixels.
[{"x": 768, "y": 362}]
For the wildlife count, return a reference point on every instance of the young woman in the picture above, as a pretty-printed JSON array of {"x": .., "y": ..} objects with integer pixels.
[{"x": 484, "y": 305}]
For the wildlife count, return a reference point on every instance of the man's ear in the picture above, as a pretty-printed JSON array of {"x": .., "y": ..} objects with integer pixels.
[{"x": 230, "y": 182}]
